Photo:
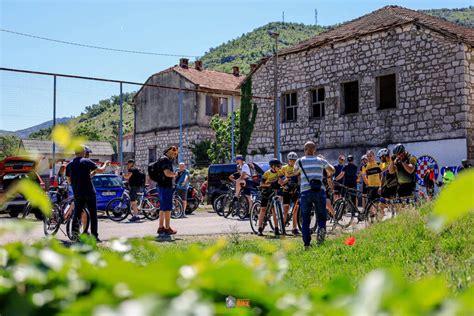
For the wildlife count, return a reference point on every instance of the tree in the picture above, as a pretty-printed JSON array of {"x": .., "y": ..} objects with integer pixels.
[
  {"x": 248, "y": 116},
  {"x": 88, "y": 131},
  {"x": 9, "y": 145},
  {"x": 221, "y": 148}
]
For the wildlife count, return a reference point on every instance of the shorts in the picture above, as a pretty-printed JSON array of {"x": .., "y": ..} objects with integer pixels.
[
  {"x": 166, "y": 199},
  {"x": 373, "y": 193},
  {"x": 249, "y": 187},
  {"x": 406, "y": 189},
  {"x": 337, "y": 188},
  {"x": 182, "y": 193},
  {"x": 134, "y": 192},
  {"x": 266, "y": 198},
  {"x": 389, "y": 192},
  {"x": 289, "y": 197}
]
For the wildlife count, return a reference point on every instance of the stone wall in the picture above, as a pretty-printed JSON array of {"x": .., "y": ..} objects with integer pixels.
[
  {"x": 433, "y": 101},
  {"x": 163, "y": 139},
  {"x": 469, "y": 89}
]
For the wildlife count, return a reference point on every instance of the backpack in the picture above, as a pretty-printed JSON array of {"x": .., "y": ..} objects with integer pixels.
[{"x": 153, "y": 172}]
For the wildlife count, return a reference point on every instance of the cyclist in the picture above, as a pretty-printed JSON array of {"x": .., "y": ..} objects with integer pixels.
[
  {"x": 389, "y": 181},
  {"x": 448, "y": 176},
  {"x": 403, "y": 164},
  {"x": 271, "y": 180},
  {"x": 340, "y": 164},
  {"x": 372, "y": 176},
  {"x": 240, "y": 177},
  {"x": 348, "y": 176},
  {"x": 182, "y": 184},
  {"x": 429, "y": 181},
  {"x": 135, "y": 180},
  {"x": 290, "y": 189},
  {"x": 363, "y": 163}
]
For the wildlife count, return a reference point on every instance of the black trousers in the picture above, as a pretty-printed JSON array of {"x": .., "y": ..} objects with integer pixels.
[{"x": 79, "y": 203}]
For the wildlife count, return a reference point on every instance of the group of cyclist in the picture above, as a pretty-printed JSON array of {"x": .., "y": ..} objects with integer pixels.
[{"x": 313, "y": 180}]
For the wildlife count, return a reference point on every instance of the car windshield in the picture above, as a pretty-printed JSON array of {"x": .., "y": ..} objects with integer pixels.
[{"x": 106, "y": 182}]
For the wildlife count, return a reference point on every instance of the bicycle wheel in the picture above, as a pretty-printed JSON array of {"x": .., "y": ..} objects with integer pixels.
[
  {"x": 373, "y": 213},
  {"x": 84, "y": 222},
  {"x": 313, "y": 223},
  {"x": 220, "y": 203},
  {"x": 118, "y": 209},
  {"x": 229, "y": 208},
  {"x": 26, "y": 210},
  {"x": 151, "y": 208},
  {"x": 52, "y": 222},
  {"x": 344, "y": 214},
  {"x": 279, "y": 216},
  {"x": 178, "y": 209},
  {"x": 243, "y": 211},
  {"x": 254, "y": 212}
]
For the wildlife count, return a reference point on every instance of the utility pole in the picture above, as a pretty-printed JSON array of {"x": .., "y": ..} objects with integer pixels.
[
  {"x": 276, "y": 130},
  {"x": 315, "y": 16},
  {"x": 283, "y": 14}
]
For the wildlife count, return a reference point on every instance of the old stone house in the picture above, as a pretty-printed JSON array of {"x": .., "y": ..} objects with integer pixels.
[
  {"x": 157, "y": 118},
  {"x": 394, "y": 75}
]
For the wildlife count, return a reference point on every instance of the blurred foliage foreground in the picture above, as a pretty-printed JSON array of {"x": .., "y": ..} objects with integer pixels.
[{"x": 142, "y": 277}]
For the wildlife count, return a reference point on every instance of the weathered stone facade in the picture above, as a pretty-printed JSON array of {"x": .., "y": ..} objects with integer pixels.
[
  {"x": 434, "y": 87},
  {"x": 163, "y": 139}
]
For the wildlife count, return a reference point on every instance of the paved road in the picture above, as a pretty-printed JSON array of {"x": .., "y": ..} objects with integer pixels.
[{"x": 203, "y": 222}]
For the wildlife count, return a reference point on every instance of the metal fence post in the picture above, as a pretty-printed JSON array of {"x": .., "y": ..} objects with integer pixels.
[
  {"x": 180, "y": 122},
  {"x": 54, "y": 124},
  {"x": 121, "y": 130},
  {"x": 233, "y": 125}
]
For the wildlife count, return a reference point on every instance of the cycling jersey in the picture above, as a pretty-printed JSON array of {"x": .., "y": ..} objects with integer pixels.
[
  {"x": 373, "y": 171},
  {"x": 402, "y": 175},
  {"x": 271, "y": 176},
  {"x": 292, "y": 175}
]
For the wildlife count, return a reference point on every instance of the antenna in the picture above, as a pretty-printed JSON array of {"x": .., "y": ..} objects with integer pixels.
[
  {"x": 283, "y": 15},
  {"x": 315, "y": 16}
]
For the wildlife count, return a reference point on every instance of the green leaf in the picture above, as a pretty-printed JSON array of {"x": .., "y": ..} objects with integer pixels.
[
  {"x": 35, "y": 195},
  {"x": 454, "y": 201}
]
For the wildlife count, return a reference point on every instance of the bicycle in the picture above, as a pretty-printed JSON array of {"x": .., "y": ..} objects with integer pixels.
[
  {"x": 224, "y": 205},
  {"x": 274, "y": 207},
  {"x": 148, "y": 203},
  {"x": 62, "y": 214}
]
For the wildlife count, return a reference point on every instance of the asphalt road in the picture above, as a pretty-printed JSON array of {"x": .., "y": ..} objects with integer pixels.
[{"x": 202, "y": 222}]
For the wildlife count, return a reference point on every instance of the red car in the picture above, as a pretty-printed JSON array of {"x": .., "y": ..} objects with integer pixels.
[{"x": 13, "y": 169}]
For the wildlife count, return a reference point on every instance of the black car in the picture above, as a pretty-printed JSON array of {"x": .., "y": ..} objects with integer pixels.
[{"x": 218, "y": 174}]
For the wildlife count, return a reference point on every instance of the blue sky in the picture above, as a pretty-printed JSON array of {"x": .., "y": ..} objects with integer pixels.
[{"x": 177, "y": 27}]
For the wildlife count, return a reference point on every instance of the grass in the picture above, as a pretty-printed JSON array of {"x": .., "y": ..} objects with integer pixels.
[{"x": 403, "y": 244}]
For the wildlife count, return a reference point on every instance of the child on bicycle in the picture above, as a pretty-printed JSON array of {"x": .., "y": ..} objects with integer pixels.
[{"x": 272, "y": 180}]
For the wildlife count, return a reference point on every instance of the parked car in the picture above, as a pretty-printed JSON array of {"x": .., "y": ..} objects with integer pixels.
[
  {"x": 13, "y": 169},
  {"x": 108, "y": 187},
  {"x": 218, "y": 174}
]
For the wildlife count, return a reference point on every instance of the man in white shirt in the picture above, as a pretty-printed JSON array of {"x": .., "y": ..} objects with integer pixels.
[{"x": 243, "y": 170}]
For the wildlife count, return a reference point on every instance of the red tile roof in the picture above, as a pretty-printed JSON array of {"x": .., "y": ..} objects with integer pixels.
[{"x": 382, "y": 19}]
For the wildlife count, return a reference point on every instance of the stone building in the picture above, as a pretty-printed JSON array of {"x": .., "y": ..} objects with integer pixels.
[
  {"x": 204, "y": 94},
  {"x": 394, "y": 75}
]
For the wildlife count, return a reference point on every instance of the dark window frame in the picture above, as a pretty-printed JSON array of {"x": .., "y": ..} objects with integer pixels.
[
  {"x": 215, "y": 105},
  {"x": 152, "y": 154},
  {"x": 344, "y": 98},
  {"x": 318, "y": 102},
  {"x": 378, "y": 102},
  {"x": 293, "y": 106}
]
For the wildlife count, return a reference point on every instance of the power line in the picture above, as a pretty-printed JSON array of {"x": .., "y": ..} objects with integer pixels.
[{"x": 96, "y": 47}]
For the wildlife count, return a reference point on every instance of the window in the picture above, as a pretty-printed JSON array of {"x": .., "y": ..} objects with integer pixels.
[
  {"x": 290, "y": 107},
  {"x": 317, "y": 102},
  {"x": 350, "y": 97},
  {"x": 386, "y": 92},
  {"x": 216, "y": 105},
  {"x": 151, "y": 155}
]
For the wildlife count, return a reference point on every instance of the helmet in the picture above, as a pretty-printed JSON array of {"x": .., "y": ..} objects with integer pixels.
[
  {"x": 274, "y": 162},
  {"x": 350, "y": 158},
  {"x": 363, "y": 157},
  {"x": 87, "y": 149},
  {"x": 292, "y": 156},
  {"x": 239, "y": 157},
  {"x": 383, "y": 152},
  {"x": 398, "y": 149}
]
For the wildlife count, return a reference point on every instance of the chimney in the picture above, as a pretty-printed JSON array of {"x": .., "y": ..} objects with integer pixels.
[
  {"x": 235, "y": 71},
  {"x": 198, "y": 65},
  {"x": 183, "y": 63},
  {"x": 253, "y": 67}
]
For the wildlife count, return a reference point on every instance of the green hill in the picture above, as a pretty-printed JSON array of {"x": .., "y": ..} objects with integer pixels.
[{"x": 100, "y": 121}]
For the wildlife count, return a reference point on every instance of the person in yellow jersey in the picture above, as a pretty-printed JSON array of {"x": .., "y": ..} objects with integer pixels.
[
  {"x": 372, "y": 176},
  {"x": 290, "y": 190},
  {"x": 271, "y": 180}
]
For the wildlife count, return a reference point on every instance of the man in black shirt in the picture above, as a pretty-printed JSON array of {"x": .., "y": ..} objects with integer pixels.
[
  {"x": 165, "y": 187},
  {"x": 78, "y": 173},
  {"x": 134, "y": 181},
  {"x": 349, "y": 176}
]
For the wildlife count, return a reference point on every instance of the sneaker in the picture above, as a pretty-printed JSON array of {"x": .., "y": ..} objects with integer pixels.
[
  {"x": 161, "y": 231},
  {"x": 134, "y": 218},
  {"x": 260, "y": 231},
  {"x": 321, "y": 236},
  {"x": 97, "y": 240},
  {"x": 170, "y": 231},
  {"x": 307, "y": 247},
  {"x": 295, "y": 231},
  {"x": 277, "y": 231}
]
